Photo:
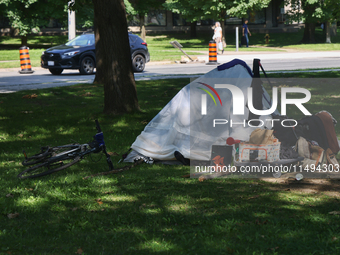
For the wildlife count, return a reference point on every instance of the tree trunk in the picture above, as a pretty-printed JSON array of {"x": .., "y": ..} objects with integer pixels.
[
  {"x": 309, "y": 33},
  {"x": 334, "y": 28},
  {"x": 24, "y": 40},
  {"x": 193, "y": 32},
  {"x": 328, "y": 32},
  {"x": 142, "y": 27},
  {"x": 222, "y": 17},
  {"x": 113, "y": 57}
]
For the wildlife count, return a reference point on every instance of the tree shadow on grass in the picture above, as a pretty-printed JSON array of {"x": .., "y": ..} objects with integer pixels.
[
  {"x": 153, "y": 210},
  {"x": 149, "y": 209}
]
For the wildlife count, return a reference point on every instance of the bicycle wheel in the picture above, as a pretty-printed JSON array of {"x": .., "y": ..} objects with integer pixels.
[
  {"x": 50, "y": 166},
  {"x": 48, "y": 152},
  {"x": 37, "y": 158}
]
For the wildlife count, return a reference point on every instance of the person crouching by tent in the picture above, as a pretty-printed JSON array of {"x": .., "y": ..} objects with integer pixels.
[{"x": 218, "y": 37}]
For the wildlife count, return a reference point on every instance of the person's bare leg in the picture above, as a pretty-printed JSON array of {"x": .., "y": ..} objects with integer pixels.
[{"x": 217, "y": 41}]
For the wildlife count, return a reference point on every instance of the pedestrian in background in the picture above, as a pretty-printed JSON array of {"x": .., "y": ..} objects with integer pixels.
[
  {"x": 218, "y": 37},
  {"x": 245, "y": 31}
]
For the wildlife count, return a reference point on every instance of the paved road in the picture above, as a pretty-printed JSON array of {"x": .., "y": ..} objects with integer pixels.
[{"x": 11, "y": 80}]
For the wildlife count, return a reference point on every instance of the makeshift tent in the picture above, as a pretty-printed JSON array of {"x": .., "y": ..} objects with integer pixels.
[{"x": 182, "y": 125}]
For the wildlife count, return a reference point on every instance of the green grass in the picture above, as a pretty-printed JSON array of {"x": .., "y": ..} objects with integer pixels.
[
  {"x": 161, "y": 49},
  {"x": 9, "y": 49},
  {"x": 315, "y": 47},
  {"x": 149, "y": 209},
  {"x": 305, "y": 74},
  {"x": 293, "y": 41},
  {"x": 11, "y": 58},
  {"x": 323, "y": 87},
  {"x": 33, "y": 41},
  {"x": 7, "y": 55},
  {"x": 277, "y": 42}
]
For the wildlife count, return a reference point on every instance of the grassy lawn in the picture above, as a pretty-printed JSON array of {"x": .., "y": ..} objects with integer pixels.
[
  {"x": 161, "y": 49},
  {"x": 34, "y": 40},
  {"x": 11, "y": 58},
  {"x": 149, "y": 209},
  {"x": 292, "y": 41},
  {"x": 305, "y": 74},
  {"x": 278, "y": 41}
]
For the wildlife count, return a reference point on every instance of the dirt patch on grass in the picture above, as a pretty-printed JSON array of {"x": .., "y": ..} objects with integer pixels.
[{"x": 330, "y": 187}]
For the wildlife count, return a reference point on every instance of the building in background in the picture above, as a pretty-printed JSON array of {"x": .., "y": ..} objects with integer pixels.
[{"x": 271, "y": 19}]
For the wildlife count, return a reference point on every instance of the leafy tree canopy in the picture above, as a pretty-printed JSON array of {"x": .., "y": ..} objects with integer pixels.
[
  {"x": 215, "y": 9},
  {"x": 141, "y": 7},
  {"x": 28, "y": 16},
  {"x": 313, "y": 11}
]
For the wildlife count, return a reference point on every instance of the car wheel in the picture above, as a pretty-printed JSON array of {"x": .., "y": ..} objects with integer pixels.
[
  {"x": 138, "y": 63},
  {"x": 56, "y": 71},
  {"x": 87, "y": 65}
]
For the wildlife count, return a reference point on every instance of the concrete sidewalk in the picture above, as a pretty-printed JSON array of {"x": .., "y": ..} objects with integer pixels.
[
  {"x": 275, "y": 55},
  {"x": 263, "y": 55}
]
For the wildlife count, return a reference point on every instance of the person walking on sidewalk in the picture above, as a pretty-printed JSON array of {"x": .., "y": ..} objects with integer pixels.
[
  {"x": 218, "y": 37},
  {"x": 246, "y": 32}
]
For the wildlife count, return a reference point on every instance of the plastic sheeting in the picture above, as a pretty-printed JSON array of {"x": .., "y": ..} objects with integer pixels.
[{"x": 180, "y": 125}]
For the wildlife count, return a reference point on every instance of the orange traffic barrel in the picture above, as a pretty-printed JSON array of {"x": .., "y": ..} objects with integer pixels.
[
  {"x": 212, "y": 53},
  {"x": 25, "y": 61}
]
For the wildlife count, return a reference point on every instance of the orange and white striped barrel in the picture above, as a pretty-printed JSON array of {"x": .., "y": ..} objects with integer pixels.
[
  {"x": 25, "y": 61},
  {"x": 212, "y": 53}
]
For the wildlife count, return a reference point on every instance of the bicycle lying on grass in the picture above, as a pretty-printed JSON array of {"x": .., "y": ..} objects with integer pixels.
[{"x": 53, "y": 159}]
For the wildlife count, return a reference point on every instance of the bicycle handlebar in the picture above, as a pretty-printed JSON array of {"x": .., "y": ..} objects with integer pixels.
[
  {"x": 98, "y": 127},
  {"x": 99, "y": 138}
]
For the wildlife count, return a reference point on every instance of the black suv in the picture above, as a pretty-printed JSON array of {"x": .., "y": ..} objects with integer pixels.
[{"x": 79, "y": 53}]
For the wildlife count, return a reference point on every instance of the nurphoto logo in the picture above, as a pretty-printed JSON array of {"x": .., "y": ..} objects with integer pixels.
[{"x": 238, "y": 99}]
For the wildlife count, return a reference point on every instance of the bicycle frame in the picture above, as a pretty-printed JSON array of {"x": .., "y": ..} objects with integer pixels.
[
  {"x": 73, "y": 152},
  {"x": 78, "y": 151}
]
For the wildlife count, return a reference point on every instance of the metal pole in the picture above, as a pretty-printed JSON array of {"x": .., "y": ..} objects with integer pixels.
[
  {"x": 236, "y": 29},
  {"x": 71, "y": 21},
  {"x": 186, "y": 54}
]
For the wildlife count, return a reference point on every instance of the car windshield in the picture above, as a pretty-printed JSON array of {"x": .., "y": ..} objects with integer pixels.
[{"x": 82, "y": 40}]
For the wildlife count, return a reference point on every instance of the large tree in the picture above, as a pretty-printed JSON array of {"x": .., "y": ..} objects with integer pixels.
[
  {"x": 217, "y": 10},
  {"x": 190, "y": 10},
  {"x": 84, "y": 13},
  {"x": 221, "y": 9},
  {"x": 331, "y": 13},
  {"x": 311, "y": 13},
  {"x": 142, "y": 8},
  {"x": 27, "y": 16},
  {"x": 314, "y": 12},
  {"x": 113, "y": 57}
]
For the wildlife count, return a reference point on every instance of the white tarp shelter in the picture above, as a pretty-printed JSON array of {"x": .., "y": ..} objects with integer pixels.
[{"x": 180, "y": 125}]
